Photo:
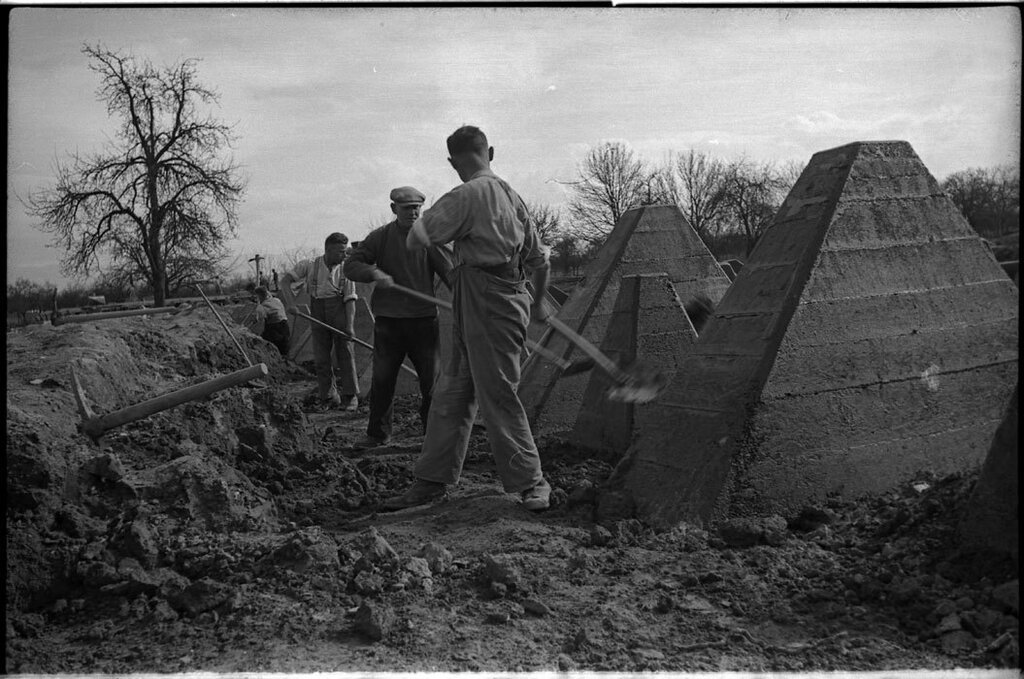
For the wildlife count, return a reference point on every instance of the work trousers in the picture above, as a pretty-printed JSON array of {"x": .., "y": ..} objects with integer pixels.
[
  {"x": 393, "y": 340},
  {"x": 277, "y": 333},
  {"x": 332, "y": 355},
  {"x": 489, "y": 330}
]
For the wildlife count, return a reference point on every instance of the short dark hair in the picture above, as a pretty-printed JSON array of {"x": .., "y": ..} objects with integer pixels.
[
  {"x": 467, "y": 139},
  {"x": 336, "y": 238}
]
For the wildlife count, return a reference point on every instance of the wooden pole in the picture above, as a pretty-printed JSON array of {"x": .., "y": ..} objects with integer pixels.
[
  {"x": 345, "y": 335},
  {"x": 95, "y": 426},
  {"x": 85, "y": 318},
  {"x": 225, "y": 326}
]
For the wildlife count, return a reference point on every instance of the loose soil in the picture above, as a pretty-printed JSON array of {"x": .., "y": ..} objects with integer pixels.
[{"x": 241, "y": 533}]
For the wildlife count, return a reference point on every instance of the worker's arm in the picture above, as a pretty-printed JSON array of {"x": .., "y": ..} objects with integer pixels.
[
  {"x": 439, "y": 257},
  {"x": 285, "y": 285},
  {"x": 445, "y": 221},
  {"x": 536, "y": 260},
  {"x": 350, "y": 307},
  {"x": 299, "y": 272},
  {"x": 361, "y": 263},
  {"x": 539, "y": 310}
]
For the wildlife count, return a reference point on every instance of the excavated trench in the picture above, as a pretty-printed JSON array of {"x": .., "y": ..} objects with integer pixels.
[{"x": 240, "y": 533}]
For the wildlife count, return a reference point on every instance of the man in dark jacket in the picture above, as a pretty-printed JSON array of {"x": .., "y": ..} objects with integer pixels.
[{"x": 403, "y": 325}]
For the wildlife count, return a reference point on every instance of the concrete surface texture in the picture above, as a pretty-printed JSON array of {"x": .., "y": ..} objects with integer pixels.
[
  {"x": 869, "y": 336},
  {"x": 648, "y": 324},
  {"x": 992, "y": 520},
  {"x": 650, "y": 239}
]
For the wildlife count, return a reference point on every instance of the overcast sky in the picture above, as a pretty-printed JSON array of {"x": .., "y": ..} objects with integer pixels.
[{"x": 335, "y": 106}]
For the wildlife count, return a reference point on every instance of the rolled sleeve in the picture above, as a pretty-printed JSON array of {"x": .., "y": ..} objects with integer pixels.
[{"x": 447, "y": 219}]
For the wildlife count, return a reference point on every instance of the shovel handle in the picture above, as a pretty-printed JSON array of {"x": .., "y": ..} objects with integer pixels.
[
  {"x": 593, "y": 352},
  {"x": 605, "y": 363},
  {"x": 343, "y": 334},
  {"x": 421, "y": 295}
]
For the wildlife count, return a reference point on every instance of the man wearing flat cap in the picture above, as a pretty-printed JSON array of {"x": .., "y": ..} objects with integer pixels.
[
  {"x": 403, "y": 325},
  {"x": 332, "y": 300}
]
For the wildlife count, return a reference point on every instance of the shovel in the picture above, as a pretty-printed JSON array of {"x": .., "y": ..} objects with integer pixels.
[
  {"x": 353, "y": 338},
  {"x": 635, "y": 384}
]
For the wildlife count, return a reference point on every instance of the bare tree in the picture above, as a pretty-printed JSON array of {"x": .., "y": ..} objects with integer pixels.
[
  {"x": 698, "y": 184},
  {"x": 988, "y": 197},
  {"x": 611, "y": 180},
  {"x": 754, "y": 193},
  {"x": 159, "y": 203},
  {"x": 547, "y": 221}
]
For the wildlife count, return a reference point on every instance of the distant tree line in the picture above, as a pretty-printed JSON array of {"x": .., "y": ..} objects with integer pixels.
[
  {"x": 729, "y": 203},
  {"x": 988, "y": 197},
  {"x": 153, "y": 213}
]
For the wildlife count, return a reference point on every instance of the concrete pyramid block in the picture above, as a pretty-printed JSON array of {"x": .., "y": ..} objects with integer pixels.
[
  {"x": 649, "y": 324},
  {"x": 871, "y": 334},
  {"x": 991, "y": 521},
  {"x": 650, "y": 239}
]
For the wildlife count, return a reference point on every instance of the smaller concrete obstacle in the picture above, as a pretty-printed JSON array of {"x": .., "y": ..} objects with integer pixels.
[
  {"x": 86, "y": 318},
  {"x": 648, "y": 323},
  {"x": 991, "y": 520},
  {"x": 95, "y": 425}
]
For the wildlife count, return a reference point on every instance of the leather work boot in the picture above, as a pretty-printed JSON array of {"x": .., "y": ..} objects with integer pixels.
[
  {"x": 348, "y": 403},
  {"x": 538, "y": 498},
  {"x": 420, "y": 493}
]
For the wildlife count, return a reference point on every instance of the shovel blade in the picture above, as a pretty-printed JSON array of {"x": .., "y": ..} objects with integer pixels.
[{"x": 643, "y": 385}]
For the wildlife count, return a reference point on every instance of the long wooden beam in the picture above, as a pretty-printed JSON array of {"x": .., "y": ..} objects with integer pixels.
[
  {"x": 85, "y": 318},
  {"x": 96, "y": 425}
]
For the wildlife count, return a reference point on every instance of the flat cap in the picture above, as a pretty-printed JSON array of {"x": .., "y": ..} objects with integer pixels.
[{"x": 405, "y": 195}]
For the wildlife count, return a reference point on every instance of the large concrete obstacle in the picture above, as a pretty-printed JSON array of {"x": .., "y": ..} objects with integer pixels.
[
  {"x": 992, "y": 519},
  {"x": 870, "y": 335},
  {"x": 647, "y": 324},
  {"x": 651, "y": 239}
]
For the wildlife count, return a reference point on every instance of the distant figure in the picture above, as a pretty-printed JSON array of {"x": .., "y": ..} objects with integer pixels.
[
  {"x": 333, "y": 302},
  {"x": 274, "y": 278},
  {"x": 403, "y": 325},
  {"x": 270, "y": 310}
]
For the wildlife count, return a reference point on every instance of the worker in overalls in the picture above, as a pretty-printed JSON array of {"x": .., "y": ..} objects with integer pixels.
[
  {"x": 332, "y": 301},
  {"x": 494, "y": 246}
]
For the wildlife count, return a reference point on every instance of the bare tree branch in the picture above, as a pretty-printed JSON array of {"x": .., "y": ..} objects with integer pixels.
[{"x": 160, "y": 203}]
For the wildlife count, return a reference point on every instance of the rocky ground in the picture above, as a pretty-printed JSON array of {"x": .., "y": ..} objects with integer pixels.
[{"x": 240, "y": 533}]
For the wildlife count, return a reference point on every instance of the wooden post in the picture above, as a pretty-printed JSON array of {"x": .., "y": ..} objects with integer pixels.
[
  {"x": 85, "y": 318},
  {"x": 95, "y": 426}
]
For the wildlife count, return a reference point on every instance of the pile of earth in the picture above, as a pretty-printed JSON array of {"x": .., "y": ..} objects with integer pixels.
[{"x": 240, "y": 533}]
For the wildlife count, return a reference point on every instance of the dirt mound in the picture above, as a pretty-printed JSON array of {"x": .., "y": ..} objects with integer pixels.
[{"x": 240, "y": 533}]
